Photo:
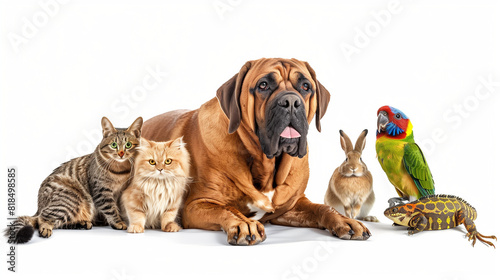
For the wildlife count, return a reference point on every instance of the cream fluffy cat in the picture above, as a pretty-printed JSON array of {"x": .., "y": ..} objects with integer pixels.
[{"x": 160, "y": 180}]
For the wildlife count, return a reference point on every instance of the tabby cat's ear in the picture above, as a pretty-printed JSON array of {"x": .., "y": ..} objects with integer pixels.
[
  {"x": 107, "y": 127},
  {"x": 136, "y": 127},
  {"x": 178, "y": 143}
]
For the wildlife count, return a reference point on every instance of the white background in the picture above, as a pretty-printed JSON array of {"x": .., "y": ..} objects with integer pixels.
[{"x": 66, "y": 66}]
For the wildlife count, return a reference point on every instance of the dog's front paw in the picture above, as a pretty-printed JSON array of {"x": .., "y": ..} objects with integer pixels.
[
  {"x": 248, "y": 232},
  {"x": 346, "y": 228}
]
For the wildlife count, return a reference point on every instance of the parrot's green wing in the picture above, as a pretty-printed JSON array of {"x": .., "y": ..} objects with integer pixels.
[{"x": 416, "y": 165}]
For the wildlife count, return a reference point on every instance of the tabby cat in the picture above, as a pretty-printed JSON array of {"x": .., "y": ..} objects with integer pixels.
[
  {"x": 84, "y": 191},
  {"x": 156, "y": 192}
]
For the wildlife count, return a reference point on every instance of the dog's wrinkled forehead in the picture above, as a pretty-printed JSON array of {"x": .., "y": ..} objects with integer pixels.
[
  {"x": 279, "y": 73},
  {"x": 242, "y": 96}
]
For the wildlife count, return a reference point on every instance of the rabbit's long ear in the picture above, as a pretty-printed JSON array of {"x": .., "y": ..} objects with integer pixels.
[
  {"x": 345, "y": 142},
  {"x": 361, "y": 142}
]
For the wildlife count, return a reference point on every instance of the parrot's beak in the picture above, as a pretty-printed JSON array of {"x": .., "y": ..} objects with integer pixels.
[{"x": 382, "y": 121}]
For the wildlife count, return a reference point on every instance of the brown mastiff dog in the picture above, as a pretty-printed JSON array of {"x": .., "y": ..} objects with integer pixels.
[{"x": 249, "y": 153}]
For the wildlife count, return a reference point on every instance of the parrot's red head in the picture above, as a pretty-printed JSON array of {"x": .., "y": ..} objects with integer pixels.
[{"x": 392, "y": 123}]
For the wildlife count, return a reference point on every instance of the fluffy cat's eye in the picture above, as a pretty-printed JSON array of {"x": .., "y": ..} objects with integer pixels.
[
  {"x": 114, "y": 145},
  {"x": 168, "y": 161},
  {"x": 152, "y": 162},
  {"x": 128, "y": 145}
]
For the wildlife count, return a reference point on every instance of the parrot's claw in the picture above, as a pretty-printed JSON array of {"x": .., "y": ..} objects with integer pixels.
[{"x": 395, "y": 201}]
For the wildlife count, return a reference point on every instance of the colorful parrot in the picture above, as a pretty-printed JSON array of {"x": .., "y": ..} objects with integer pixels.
[{"x": 400, "y": 157}]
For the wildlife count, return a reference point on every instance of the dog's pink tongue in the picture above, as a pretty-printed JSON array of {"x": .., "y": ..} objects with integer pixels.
[{"x": 290, "y": 132}]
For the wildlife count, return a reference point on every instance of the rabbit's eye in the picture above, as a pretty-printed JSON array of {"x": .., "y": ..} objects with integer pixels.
[
  {"x": 346, "y": 159},
  {"x": 360, "y": 160}
]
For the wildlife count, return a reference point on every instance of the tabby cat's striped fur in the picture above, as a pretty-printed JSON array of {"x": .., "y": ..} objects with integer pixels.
[{"x": 85, "y": 190}]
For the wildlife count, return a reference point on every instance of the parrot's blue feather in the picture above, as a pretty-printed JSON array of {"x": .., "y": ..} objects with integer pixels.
[{"x": 393, "y": 130}]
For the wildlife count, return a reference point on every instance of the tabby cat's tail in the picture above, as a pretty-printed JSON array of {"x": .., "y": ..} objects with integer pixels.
[{"x": 21, "y": 230}]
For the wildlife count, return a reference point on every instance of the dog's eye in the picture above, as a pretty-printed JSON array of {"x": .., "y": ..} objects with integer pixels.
[
  {"x": 263, "y": 86},
  {"x": 305, "y": 86}
]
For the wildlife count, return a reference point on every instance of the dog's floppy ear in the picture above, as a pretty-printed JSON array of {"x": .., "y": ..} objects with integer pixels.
[
  {"x": 229, "y": 97},
  {"x": 322, "y": 98}
]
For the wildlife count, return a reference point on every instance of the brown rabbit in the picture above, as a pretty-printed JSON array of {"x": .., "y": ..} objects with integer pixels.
[{"x": 351, "y": 185}]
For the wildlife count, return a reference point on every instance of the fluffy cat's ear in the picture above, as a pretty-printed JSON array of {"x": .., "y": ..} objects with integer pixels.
[
  {"x": 145, "y": 143},
  {"x": 107, "y": 127},
  {"x": 136, "y": 127},
  {"x": 177, "y": 143}
]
